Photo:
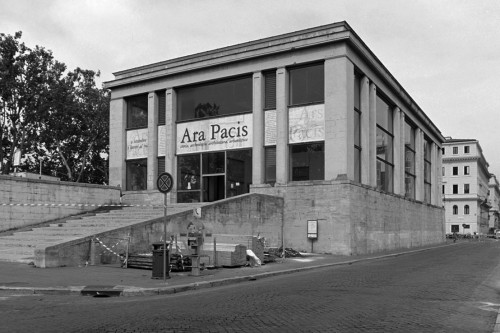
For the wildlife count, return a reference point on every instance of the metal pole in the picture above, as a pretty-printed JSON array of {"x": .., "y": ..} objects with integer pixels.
[{"x": 165, "y": 238}]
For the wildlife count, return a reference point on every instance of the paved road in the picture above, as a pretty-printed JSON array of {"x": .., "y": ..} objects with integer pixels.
[{"x": 450, "y": 289}]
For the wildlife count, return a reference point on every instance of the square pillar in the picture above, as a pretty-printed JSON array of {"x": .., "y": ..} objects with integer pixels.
[
  {"x": 117, "y": 142},
  {"x": 171, "y": 136},
  {"x": 366, "y": 163},
  {"x": 339, "y": 119},
  {"x": 282, "y": 152},
  {"x": 152, "y": 140},
  {"x": 258, "y": 130}
]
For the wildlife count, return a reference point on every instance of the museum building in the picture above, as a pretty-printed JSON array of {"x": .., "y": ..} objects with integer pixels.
[{"x": 311, "y": 116}]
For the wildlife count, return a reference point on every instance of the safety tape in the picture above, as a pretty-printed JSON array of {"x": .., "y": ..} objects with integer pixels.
[
  {"x": 75, "y": 205},
  {"x": 109, "y": 249}
]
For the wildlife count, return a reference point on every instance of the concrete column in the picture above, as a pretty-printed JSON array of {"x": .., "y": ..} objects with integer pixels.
[
  {"x": 258, "y": 130},
  {"x": 366, "y": 164},
  {"x": 170, "y": 130},
  {"x": 402, "y": 132},
  {"x": 282, "y": 126},
  {"x": 117, "y": 142},
  {"x": 419, "y": 165},
  {"x": 339, "y": 119},
  {"x": 373, "y": 135},
  {"x": 398, "y": 159},
  {"x": 152, "y": 140}
]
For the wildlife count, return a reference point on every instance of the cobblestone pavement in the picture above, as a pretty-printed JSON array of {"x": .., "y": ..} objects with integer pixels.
[{"x": 448, "y": 289}]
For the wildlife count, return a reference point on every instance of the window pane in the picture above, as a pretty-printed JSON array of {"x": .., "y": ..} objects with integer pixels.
[
  {"x": 409, "y": 136},
  {"x": 188, "y": 172},
  {"x": 307, "y": 84},
  {"x": 357, "y": 82},
  {"x": 427, "y": 195},
  {"x": 307, "y": 162},
  {"x": 410, "y": 186},
  {"x": 214, "y": 163},
  {"x": 384, "y": 176},
  {"x": 215, "y": 99},
  {"x": 161, "y": 107},
  {"x": 270, "y": 165},
  {"x": 384, "y": 146},
  {"x": 427, "y": 172},
  {"x": 384, "y": 115},
  {"x": 137, "y": 171},
  {"x": 357, "y": 129},
  {"x": 270, "y": 90},
  {"x": 137, "y": 111},
  {"x": 191, "y": 196},
  {"x": 239, "y": 172},
  {"x": 357, "y": 165}
]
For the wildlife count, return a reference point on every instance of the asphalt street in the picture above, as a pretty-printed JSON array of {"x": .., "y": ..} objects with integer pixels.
[{"x": 447, "y": 289}]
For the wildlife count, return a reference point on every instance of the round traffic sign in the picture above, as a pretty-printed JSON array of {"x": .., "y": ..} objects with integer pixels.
[{"x": 165, "y": 182}]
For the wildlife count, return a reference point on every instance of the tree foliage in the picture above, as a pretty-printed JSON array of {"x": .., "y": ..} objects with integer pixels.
[{"x": 57, "y": 118}]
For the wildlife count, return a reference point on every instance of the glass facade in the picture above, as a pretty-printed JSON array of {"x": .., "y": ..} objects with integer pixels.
[
  {"x": 137, "y": 171},
  {"x": 214, "y": 99},
  {"x": 427, "y": 170},
  {"x": 214, "y": 175},
  {"x": 357, "y": 129}
]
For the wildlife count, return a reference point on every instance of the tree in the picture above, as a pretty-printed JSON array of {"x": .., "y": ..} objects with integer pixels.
[{"x": 57, "y": 117}]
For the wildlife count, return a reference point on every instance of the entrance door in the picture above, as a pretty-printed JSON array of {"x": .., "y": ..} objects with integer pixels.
[{"x": 213, "y": 188}]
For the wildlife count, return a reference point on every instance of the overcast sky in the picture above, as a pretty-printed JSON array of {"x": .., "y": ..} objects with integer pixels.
[{"x": 445, "y": 53}]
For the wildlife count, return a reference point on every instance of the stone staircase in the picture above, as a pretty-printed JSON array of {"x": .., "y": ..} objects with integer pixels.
[{"x": 20, "y": 246}]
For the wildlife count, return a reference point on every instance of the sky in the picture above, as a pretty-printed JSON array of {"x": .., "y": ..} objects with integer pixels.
[{"x": 445, "y": 54}]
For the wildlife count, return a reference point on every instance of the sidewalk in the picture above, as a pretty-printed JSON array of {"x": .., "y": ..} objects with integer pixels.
[{"x": 111, "y": 280}]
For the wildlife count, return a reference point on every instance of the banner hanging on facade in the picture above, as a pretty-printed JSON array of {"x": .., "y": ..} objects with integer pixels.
[
  {"x": 233, "y": 132},
  {"x": 137, "y": 143},
  {"x": 306, "y": 124}
]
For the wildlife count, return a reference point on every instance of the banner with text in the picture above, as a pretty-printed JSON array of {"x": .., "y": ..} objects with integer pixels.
[
  {"x": 137, "y": 143},
  {"x": 233, "y": 132},
  {"x": 306, "y": 124}
]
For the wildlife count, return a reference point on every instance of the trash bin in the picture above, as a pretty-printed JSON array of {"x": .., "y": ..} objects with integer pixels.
[{"x": 158, "y": 261}]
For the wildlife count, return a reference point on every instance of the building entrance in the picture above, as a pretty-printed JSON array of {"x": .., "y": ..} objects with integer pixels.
[{"x": 213, "y": 176}]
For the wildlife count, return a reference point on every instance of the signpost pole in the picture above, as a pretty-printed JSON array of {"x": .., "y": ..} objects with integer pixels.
[{"x": 165, "y": 238}]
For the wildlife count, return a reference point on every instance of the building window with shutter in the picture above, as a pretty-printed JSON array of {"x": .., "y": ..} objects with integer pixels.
[
  {"x": 161, "y": 106},
  {"x": 307, "y": 84},
  {"x": 270, "y": 90},
  {"x": 270, "y": 165}
]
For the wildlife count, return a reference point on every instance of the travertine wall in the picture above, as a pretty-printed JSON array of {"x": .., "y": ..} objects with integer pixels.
[
  {"x": 355, "y": 219},
  {"x": 25, "y": 201}
]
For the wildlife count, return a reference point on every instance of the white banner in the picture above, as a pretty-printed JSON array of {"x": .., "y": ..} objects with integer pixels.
[
  {"x": 233, "y": 132},
  {"x": 306, "y": 124},
  {"x": 137, "y": 143},
  {"x": 162, "y": 140},
  {"x": 270, "y": 128}
]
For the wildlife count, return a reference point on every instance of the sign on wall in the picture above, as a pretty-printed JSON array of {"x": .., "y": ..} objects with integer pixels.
[
  {"x": 312, "y": 229},
  {"x": 306, "y": 124},
  {"x": 233, "y": 132},
  {"x": 137, "y": 143}
]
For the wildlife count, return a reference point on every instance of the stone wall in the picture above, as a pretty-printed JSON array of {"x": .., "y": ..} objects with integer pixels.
[
  {"x": 354, "y": 219},
  {"x": 25, "y": 201}
]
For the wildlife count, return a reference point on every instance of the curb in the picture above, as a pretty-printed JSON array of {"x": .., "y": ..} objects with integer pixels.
[{"x": 130, "y": 291}]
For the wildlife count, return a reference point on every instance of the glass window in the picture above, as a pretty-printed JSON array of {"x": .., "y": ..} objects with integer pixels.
[
  {"x": 137, "y": 171},
  {"x": 442, "y": 189},
  {"x": 455, "y": 150},
  {"x": 215, "y": 99},
  {"x": 455, "y": 171},
  {"x": 384, "y": 146},
  {"x": 466, "y": 149},
  {"x": 442, "y": 171},
  {"x": 455, "y": 227},
  {"x": 307, "y": 84},
  {"x": 188, "y": 172},
  {"x": 466, "y": 188},
  {"x": 410, "y": 161},
  {"x": 270, "y": 90},
  {"x": 270, "y": 165},
  {"x": 427, "y": 171},
  {"x": 455, "y": 189},
  {"x": 466, "y": 210},
  {"x": 137, "y": 111},
  {"x": 213, "y": 163},
  {"x": 466, "y": 170},
  {"x": 239, "y": 172},
  {"x": 442, "y": 151},
  {"x": 162, "y": 106},
  {"x": 455, "y": 210},
  {"x": 357, "y": 129},
  {"x": 307, "y": 161}
]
